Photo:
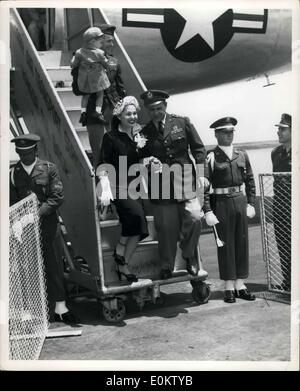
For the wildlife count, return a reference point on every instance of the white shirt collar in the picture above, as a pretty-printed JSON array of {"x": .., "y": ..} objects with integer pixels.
[
  {"x": 29, "y": 169},
  {"x": 228, "y": 150}
]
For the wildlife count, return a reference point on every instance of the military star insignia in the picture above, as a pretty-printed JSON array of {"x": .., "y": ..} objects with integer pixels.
[{"x": 193, "y": 27}]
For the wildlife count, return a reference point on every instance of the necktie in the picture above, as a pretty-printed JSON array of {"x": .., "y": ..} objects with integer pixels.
[{"x": 161, "y": 127}]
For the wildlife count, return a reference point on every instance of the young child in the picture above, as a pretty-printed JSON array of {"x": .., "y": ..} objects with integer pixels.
[{"x": 92, "y": 77}]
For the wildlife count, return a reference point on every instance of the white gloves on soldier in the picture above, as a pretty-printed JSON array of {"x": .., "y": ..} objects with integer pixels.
[
  {"x": 250, "y": 211},
  {"x": 203, "y": 182},
  {"x": 106, "y": 194},
  {"x": 211, "y": 219}
]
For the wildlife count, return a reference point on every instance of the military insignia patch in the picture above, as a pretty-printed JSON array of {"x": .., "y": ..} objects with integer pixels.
[{"x": 176, "y": 129}]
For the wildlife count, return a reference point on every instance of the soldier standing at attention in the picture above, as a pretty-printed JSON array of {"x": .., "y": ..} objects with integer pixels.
[
  {"x": 177, "y": 215},
  {"x": 282, "y": 162},
  {"x": 228, "y": 207},
  {"x": 33, "y": 175}
]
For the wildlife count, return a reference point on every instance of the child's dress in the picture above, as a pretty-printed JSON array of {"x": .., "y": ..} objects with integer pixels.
[{"x": 92, "y": 76}]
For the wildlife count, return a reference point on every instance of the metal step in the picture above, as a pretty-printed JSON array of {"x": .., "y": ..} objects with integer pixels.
[
  {"x": 74, "y": 115},
  {"x": 84, "y": 138},
  {"x": 145, "y": 244},
  {"x": 55, "y": 58},
  {"x": 68, "y": 98},
  {"x": 115, "y": 222},
  {"x": 111, "y": 230},
  {"x": 60, "y": 74}
]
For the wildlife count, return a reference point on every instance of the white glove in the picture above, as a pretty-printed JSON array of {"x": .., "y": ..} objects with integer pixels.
[
  {"x": 106, "y": 197},
  {"x": 103, "y": 190},
  {"x": 203, "y": 182},
  {"x": 211, "y": 219},
  {"x": 156, "y": 164},
  {"x": 250, "y": 211}
]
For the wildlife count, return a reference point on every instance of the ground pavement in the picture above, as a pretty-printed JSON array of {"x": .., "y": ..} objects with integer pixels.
[{"x": 181, "y": 330}]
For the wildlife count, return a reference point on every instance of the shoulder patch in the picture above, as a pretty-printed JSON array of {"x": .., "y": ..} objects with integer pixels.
[{"x": 178, "y": 116}]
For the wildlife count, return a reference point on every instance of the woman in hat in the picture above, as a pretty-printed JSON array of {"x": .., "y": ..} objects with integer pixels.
[
  {"x": 92, "y": 77},
  {"x": 124, "y": 140}
]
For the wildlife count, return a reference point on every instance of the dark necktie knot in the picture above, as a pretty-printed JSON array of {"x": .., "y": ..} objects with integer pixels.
[{"x": 161, "y": 127}]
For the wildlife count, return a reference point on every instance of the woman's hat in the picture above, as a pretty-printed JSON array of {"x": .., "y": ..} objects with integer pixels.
[{"x": 128, "y": 100}]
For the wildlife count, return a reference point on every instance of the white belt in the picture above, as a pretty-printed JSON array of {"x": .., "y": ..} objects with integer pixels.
[{"x": 227, "y": 190}]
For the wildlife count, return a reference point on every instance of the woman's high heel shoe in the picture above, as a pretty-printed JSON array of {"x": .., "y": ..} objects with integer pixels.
[
  {"x": 129, "y": 277},
  {"x": 119, "y": 259}
]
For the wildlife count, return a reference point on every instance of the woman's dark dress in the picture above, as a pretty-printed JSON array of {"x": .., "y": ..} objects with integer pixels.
[{"x": 131, "y": 212}]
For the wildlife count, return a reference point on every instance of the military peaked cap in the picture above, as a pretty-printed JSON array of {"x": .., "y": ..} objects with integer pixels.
[
  {"x": 154, "y": 97},
  {"x": 226, "y": 123}
]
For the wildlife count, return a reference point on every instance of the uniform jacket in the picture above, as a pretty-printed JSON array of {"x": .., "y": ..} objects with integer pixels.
[
  {"x": 281, "y": 159},
  {"x": 92, "y": 75},
  {"x": 44, "y": 181},
  {"x": 227, "y": 173},
  {"x": 172, "y": 147},
  {"x": 282, "y": 162},
  {"x": 116, "y": 91}
]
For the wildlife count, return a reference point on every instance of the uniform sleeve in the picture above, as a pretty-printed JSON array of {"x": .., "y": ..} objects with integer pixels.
[
  {"x": 196, "y": 145},
  {"x": 55, "y": 194},
  {"x": 272, "y": 157},
  {"x": 249, "y": 182},
  {"x": 75, "y": 61},
  {"x": 119, "y": 83},
  {"x": 208, "y": 174},
  {"x": 106, "y": 151}
]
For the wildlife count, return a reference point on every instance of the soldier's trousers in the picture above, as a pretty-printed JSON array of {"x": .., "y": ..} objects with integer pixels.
[
  {"x": 173, "y": 222},
  {"x": 233, "y": 257},
  {"x": 53, "y": 266}
]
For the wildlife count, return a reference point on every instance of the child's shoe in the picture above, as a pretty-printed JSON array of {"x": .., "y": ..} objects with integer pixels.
[
  {"x": 83, "y": 118},
  {"x": 99, "y": 117}
]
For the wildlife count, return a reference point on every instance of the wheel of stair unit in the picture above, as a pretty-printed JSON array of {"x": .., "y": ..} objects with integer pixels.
[
  {"x": 200, "y": 292},
  {"x": 115, "y": 315}
]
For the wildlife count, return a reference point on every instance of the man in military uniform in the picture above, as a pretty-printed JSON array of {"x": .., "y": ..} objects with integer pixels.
[
  {"x": 227, "y": 170},
  {"x": 33, "y": 175},
  {"x": 281, "y": 160},
  {"x": 112, "y": 95},
  {"x": 176, "y": 208}
]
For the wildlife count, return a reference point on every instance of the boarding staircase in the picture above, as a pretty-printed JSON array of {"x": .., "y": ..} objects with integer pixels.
[
  {"x": 57, "y": 65},
  {"x": 52, "y": 110}
]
